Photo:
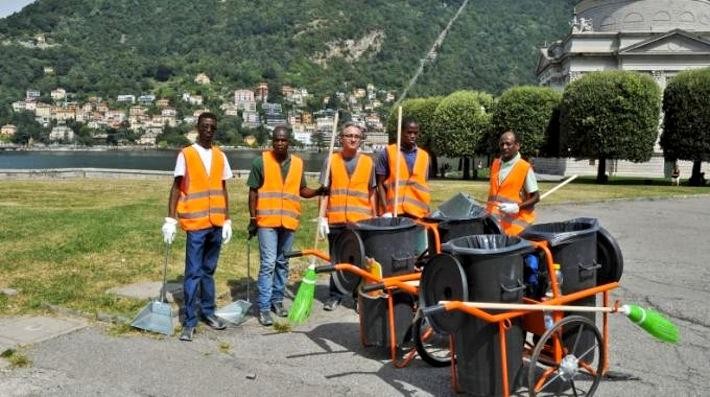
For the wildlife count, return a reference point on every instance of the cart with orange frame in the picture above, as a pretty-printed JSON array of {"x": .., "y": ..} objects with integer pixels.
[
  {"x": 503, "y": 333},
  {"x": 379, "y": 260}
]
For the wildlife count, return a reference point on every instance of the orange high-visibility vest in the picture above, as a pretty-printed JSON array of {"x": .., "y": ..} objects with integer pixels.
[
  {"x": 279, "y": 201},
  {"x": 201, "y": 203},
  {"x": 414, "y": 195},
  {"x": 512, "y": 190},
  {"x": 349, "y": 197}
]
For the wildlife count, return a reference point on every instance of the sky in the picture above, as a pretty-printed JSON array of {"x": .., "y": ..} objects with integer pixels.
[{"x": 8, "y": 7}]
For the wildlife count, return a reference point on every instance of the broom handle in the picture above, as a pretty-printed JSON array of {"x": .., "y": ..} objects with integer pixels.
[
  {"x": 321, "y": 208},
  {"x": 397, "y": 160},
  {"x": 535, "y": 306},
  {"x": 248, "y": 267},
  {"x": 165, "y": 272},
  {"x": 549, "y": 192}
]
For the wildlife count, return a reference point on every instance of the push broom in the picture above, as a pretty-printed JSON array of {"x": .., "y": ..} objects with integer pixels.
[
  {"x": 303, "y": 302},
  {"x": 649, "y": 320}
]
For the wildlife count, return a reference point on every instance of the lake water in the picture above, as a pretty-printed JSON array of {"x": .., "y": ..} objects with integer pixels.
[{"x": 163, "y": 160}]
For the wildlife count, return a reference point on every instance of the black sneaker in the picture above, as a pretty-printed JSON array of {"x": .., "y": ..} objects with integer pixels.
[
  {"x": 331, "y": 304},
  {"x": 187, "y": 334},
  {"x": 214, "y": 322},
  {"x": 278, "y": 308},
  {"x": 265, "y": 319}
]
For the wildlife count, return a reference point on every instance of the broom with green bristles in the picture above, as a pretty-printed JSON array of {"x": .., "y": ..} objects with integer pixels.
[
  {"x": 303, "y": 302},
  {"x": 649, "y": 320}
]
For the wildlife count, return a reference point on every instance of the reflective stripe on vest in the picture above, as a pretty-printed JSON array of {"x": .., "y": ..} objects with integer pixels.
[
  {"x": 201, "y": 204},
  {"x": 511, "y": 190},
  {"x": 279, "y": 201},
  {"x": 349, "y": 197},
  {"x": 413, "y": 191}
]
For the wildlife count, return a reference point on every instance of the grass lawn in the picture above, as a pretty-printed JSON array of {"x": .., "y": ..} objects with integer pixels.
[{"x": 65, "y": 242}]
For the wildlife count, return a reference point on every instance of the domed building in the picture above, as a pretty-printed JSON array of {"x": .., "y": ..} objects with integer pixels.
[{"x": 657, "y": 37}]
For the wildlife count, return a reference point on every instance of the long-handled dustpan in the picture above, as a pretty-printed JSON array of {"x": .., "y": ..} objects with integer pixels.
[
  {"x": 157, "y": 316},
  {"x": 236, "y": 312}
]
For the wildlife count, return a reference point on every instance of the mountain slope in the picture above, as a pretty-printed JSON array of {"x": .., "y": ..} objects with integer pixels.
[{"x": 107, "y": 47}]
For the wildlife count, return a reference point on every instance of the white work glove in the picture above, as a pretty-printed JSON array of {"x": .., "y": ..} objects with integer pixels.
[
  {"x": 323, "y": 228},
  {"x": 169, "y": 229},
  {"x": 226, "y": 231},
  {"x": 386, "y": 215},
  {"x": 509, "y": 208}
]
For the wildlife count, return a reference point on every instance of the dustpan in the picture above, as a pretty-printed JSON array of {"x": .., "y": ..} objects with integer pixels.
[
  {"x": 236, "y": 312},
  {"x": 157, "y": 316}
]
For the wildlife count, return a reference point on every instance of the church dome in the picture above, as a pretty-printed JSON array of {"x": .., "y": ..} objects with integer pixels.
[{"x": 645, "y": 15}]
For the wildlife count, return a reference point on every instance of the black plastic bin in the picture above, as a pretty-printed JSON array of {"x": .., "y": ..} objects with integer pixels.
[
  {"x": 493, "y": 265},
  {"x": 574, "y": 246},
  {"x": 395, "y": 243},
  {"x": 374, "y": 322},
  {"x": 451, "y": 228}
]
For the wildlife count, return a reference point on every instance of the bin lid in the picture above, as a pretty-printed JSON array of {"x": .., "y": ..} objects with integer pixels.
[
  {"x": 443, "y": 278},
  {"x": 487, "y": 244},
  {"x": 459, "y": 207},
  {"x": 558, "y": 233},
  {"x": 348, "y": 248},
  {"x": 383, "y": 224},
  {"x": 610, "y": 257}
]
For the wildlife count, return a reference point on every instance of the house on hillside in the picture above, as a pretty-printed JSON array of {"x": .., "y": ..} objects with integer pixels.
[
  {"x": 262, "y": 92},
  {"x": 61, "y": 133},
  {"x": 126, "y": 98},
  {"x": 18, "y": 106},
  {"x": 58, "y": 94},
  {"x": 202, "y": 78},
  {"x": 146, "y": 99},
  {"x": 8, "y": 130},
  {"x": 32, "y": 95}
]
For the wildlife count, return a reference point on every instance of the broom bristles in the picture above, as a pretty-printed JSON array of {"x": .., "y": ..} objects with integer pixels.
[
  {"x": 303, "y": 302},
  {"x": 653, "y": 322}
]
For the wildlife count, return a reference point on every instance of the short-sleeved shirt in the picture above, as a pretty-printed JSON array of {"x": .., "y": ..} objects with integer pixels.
[
  {"x": 350, "y": 164},
  {"x": 530, "y": 180},
  {"x": 206, "y": 157},
  {"x": 256, "y": 175},
  {"x": 382, "y": 166}
]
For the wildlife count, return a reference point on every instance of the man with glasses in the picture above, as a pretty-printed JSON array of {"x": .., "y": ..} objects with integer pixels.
[{"x": 351, "y": 194}]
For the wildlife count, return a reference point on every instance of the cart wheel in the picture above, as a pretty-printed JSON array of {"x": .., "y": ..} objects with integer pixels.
[
  {"x": 579, "y": 370},
  {"x": 433, "y": 347}
]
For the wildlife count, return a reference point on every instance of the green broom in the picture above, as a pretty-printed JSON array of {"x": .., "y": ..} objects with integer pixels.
[
  {"x": 303, "y": 302},
  {"x": 649, "y": 320},
  {"x": 652, "y": 322}
]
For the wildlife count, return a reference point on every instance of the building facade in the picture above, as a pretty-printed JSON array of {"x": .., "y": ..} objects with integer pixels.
[{"x": 656, "y": 37}]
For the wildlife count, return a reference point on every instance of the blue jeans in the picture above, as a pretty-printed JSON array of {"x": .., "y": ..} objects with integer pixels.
[
  {"x": 273, "y": 271},
  {"x": 201, "y": 256}
]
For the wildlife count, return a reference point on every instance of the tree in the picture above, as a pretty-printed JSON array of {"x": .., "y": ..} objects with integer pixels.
[
  {"x": 686, "y": 125},
  {"x": 27, "y": 128},
  {"x": 610, "y": 115},
  {"x": 461, "y": 121},
  {"x": 531, "y": 112}
]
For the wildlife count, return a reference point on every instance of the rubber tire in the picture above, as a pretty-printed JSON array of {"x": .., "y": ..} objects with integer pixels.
[{"x": 419, "y": 345}]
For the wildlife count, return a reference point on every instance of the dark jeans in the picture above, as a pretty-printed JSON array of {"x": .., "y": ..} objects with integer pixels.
[
  {"x": 201, "y": 256},
  {"x": 334, "y": 292}
]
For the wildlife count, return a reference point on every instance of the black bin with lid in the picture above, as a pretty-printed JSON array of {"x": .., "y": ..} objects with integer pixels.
[
  {"x": 573, "y": 244},
  {"x": 395, "y": 243},
  {"x": 493, "y": 267}
]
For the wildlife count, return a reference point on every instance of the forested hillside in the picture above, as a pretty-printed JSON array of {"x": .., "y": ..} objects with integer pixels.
[{"x": 107, "y": 47}]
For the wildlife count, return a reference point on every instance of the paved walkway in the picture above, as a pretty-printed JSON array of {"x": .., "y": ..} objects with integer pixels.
[{"x": 666, "y": 266}]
